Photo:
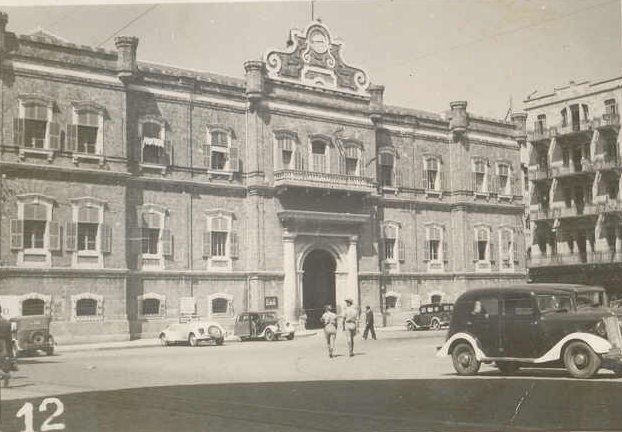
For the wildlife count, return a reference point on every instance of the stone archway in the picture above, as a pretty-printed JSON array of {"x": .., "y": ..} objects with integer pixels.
[{"x": 318, "y": 285}]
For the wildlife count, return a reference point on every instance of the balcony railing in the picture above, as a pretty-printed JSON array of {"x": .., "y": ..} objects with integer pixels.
[
  {"x": 323, "y": 180},
  {"x": 572, "y": 128},
  {"x": 599, "y": 257},
  {"x": 573, "y": 211},
  {"x": 571, "y": 169},
  {"x": 539, "y": 134},
  {"x": 538, "y": 172},
  {"x": 607, "y": 120},
  {"x": 536, "y": 215},
  {"x": 606, "y": 164}
]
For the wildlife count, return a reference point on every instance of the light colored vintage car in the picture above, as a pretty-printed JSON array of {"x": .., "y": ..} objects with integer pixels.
[{"x": 193, "y": 333}]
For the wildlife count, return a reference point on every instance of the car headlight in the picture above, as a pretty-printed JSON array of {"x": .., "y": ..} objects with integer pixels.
[{"x": 600, "y": 329}]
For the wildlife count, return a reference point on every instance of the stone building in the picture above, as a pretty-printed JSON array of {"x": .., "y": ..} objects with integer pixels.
[
  {"x": 135, "y": 193},
  {"x": 574, "y": 171}
]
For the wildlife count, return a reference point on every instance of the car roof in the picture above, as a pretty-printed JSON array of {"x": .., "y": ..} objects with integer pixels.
[{"x": 548, "y": 288}]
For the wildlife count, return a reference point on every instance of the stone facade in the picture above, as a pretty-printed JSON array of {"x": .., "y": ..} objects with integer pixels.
[
  {"x": 574, "y": 171},
  {"x": 134, "y": 193}
]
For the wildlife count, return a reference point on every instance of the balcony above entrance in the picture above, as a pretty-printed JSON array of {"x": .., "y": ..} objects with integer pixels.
[{"x": 319, "y": 180}]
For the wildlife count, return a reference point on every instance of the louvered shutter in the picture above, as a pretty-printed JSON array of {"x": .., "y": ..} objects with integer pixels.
[
  {"x": 54, "y": 136},
  {"x": 474, "y": 182},
  {"x": 72, "y": 138},
  {"x": 17, "y": 234},
  {"x": 19, "y": 124},
  {"x": 100, "y": 307},
  {"x": 71, "y": 234},
  {"x": 207, "y": 244},
  {"x": 234, "y": 159},
  {"x": 106, "y": 239},
  {"x": 207, "y": 156},
  {"x": 445, "y": 252},
  {"x": 426, "y": 250},
  {"x": 401, "y": 251},
  {"x": 493, "y": 252},
  {"x": 54, "y": 236},
  {"x": 234, "y": 245},
  {"x": 398, "y": 176},
  {"x": 363, "y": 170},
  {"x": 168, "y": 150},
  {"x": 493, "y": 183},
  {"x": 300, "y": 160},
  {"x": 424, "y": 179},
  {"x": 341, "y": 159},
  {"x": 382, "y": 249},
  {"x": 167, "y": 243},
  {"x": 475, "y": 251},
  {"x": 516, "y": 257}
]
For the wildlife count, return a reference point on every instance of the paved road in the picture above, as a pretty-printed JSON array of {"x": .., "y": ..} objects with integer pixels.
[{"x": 395, "y": 383}]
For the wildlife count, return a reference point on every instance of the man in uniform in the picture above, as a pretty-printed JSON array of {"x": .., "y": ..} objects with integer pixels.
[
  {"x": 349, "y": 324},
  {"x": 369, "y": 323}
]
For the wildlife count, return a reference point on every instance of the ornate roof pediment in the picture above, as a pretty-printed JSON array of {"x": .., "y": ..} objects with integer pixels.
[{"x": 313, "y": 58}]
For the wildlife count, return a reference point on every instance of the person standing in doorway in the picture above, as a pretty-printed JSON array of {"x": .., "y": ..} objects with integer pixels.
[
  {"x": 349, "y": 325},
  {"x": 329, "y": 320},
  {"x": 369, "y": 324}
]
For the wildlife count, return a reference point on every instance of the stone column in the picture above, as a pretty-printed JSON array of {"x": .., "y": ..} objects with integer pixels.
[
  {"x": 290, "y": 279},
  {"x": 352, "y": 289}
]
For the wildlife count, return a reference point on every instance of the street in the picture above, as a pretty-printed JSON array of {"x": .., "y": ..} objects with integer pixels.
[{"x": 394, "y": 383}]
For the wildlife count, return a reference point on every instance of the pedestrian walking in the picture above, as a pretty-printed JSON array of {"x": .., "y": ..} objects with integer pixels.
[
  {"x": 349, "y": 325},
  {"x": 329, "y": 320},
  {"x": 369, "y": 323},
  {"x": 7, "y": 362}
]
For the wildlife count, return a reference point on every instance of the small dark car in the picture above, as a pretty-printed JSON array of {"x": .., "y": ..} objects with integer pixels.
[
  {"x": 32, "y": 333},
  {"x": 531, "y": 325},
  {"x": 431, "y": 316},
  {"x": 262, "y": 325}
]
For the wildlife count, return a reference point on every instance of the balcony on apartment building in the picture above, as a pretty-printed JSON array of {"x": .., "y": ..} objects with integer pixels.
[
  {"x": 564, "y": 212},
  {"x": 323, "y": 180},
  {"x": 584, "y": 166},
  {"x": 576, "y": 258}
]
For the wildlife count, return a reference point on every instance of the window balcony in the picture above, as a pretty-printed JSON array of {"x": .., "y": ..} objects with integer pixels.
[
  {"x": 538, "y": 172},
  {"x": 584, "y": 167},
  {"x": 607, "y": 120},
  {"x": 576, "y": 258},
  {"x": 320, "y": 180},
  {"x": 539, "y": 134},
  {"x": 574, "y": 211},
  {"x": 571, "y": 128}
]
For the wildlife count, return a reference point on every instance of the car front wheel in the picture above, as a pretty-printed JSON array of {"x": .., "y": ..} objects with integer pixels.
[
  {"x": 580, "y": 360},
  {"x": 192, "y": 340},
  {"x": 270, "y": 336},
  {"x": 436, "y": 324},
  {"x": 465, "y": 362},
  {"x": 410, "y": 326}
]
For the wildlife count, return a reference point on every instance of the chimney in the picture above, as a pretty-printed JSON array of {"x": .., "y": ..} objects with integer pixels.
[
  {"x": 254, "y": 79},
  {"x": 519, "y": 120},
  {"x": 4, "y": 19},
  {"x": 126, "y": 62},
  {"x": 376, "y": 104},
  {"x": 459, "y": 121}
]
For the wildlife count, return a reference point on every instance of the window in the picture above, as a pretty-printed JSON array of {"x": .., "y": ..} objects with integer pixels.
[
  {"x": 151, "y": 239},
  {"x": 286, "y": 144},
  {"x": 390, "y": 302},
  {"x": 433, "y": 247},
  {"x": 540, "y": 125},
  {"x": 507, "y": 248},
  {"x": 87, "y": 131},
  {"x": 554, "y": 303},
  {"x": 155, "y": 149},
  {"x": 86, "y": 307},
  {"x": 220, "y": 241},
  {"x": 220, "y": 154},
  {"x": 485, "y": 306},
  {"x": 611, "y": 108},
  {"x": 34, "y": 234},
  {"x": 479, "y": 176},
  {"x": 88, "y": 228},
  {"x": 34, "y": 128},
  {"x": 352, "y": 161},
  {"x": 436, "y": 299},
  {"x": 220, "y": 231},
  {"x": 564, "y": 115},
  {"x": 151, "y": 306},
  {"x": 271, "y": 302},
  {"x": 518, "y": 306},
  {"x": 481, "y": 244},
  {"x": 431, "y": 174},
  {"x": 33, "y": 306},
  {"x": 386, "y": 170},
  {"x": 220, "y": 305},
  {"x": 35, "y": 223},
  {"x": 390, "y": 239},
  {"x": 35, "y": 125},
  {"x": 504, "y": 179},
  {"x": 318, "y": 156},
  {"x": 157, "y": 241}
]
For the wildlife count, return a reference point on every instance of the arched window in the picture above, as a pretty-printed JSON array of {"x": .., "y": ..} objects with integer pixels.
[
  {"x": 220, "y": 305},
  {"x": 540, "y": 125},
  {"x": 151, "y": 306},
  {"x": 86, "y": 307},
  {"x": 436, "y": 299},
  {"x": 33, "y": 306}
]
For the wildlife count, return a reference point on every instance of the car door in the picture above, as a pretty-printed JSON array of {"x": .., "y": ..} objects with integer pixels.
[
  {"x": 242, "y": 326},
  {"x": 520, "y": 326},
  {"x": 483, "y": 322}
]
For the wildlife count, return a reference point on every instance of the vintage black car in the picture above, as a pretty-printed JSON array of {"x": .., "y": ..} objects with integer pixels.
[
  {"x": 262, "y": 325},
  {"x": 431, "y": 316},
  {"x": 531, "y": 325},
  {"x": 32, "y": 333}
]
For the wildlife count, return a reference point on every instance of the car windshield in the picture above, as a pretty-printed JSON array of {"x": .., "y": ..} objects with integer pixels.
[
  {"x": 268, "y": 315},
  {"x": 554, "y": 303},
  {"x": 591, "y": 299}
]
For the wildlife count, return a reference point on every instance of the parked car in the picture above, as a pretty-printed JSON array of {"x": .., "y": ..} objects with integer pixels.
[
  {"x": 193, "y": 333},
  {"x": 31, "y": 334},
  {"x": 262, "y": 325},
  {"x": 431, "y": 316},
  {"x": 535, "y": 325}
]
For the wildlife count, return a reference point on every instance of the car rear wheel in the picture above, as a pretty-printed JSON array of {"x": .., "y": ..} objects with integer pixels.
[
  {"x": 580, "y": 360},
  {"x": 269, "y": 335},
  {"x": 410, "y": 326},
  {"x": 465, "y": 362},
  {"x": 507, "y": 367},
  {"x": 192, "y": 340},
  {"x": 435, "y": 325}
]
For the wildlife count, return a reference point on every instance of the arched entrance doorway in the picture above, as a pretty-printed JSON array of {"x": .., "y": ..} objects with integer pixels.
[{"x": 318, "y": 285}]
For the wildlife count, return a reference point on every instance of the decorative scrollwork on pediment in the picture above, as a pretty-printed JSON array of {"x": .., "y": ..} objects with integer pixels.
[{"x": 313, "y": 58}]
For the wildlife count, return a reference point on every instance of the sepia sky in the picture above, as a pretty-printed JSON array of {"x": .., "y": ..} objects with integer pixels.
[{"x": 426, "y": 52}]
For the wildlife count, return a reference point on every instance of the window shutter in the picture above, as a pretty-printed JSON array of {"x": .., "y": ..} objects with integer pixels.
[
  {"x": 493, "y": 252},
  {"x": 207, "y": 244},
  {"x": 445, "y": 252},
  {"x": 72, "y": 138},
  {"x": 17, "y": 234},
  {"x": 493, "y": 183},
  {"x": 342, "y": 164},
  {"x": 363, "y": 170},
  {"x": 234, "y": 251},
  {"x": 100, "y": 307},
  {"x": 18, "y": 131},
  {"x": 106, "y": 239},
  {"x": 426, "y": 250},
  {"x": 54, "y": 236},
  {"x": 398, "y": 176},
  {"x": 516, "y": 257},
  {"x": 382, "y": 249},
  {"x": 401, "y": 251},
  {"x": 300, "y": 160},
  {"x": 207, "y": 156},
  {"x": 168, "y": 150},
  {"x": 475, "y": 251},
  {"x": 167, "y": 243},
  {"x": 234, "y": 159},
  {"x": 71, "y": 232},
  {"x": 424, "y": 179},
  {"x": 54, "y": 138},
  {"x": 441, "y": 181}
]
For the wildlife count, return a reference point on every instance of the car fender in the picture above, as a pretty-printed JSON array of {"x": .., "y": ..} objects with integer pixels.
[
  {"x": 597, "y": 343},
  {"x": 274, "y": 328},
  {"x": 444, "y": 350},
  {"x": 413, "y": 323}
]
